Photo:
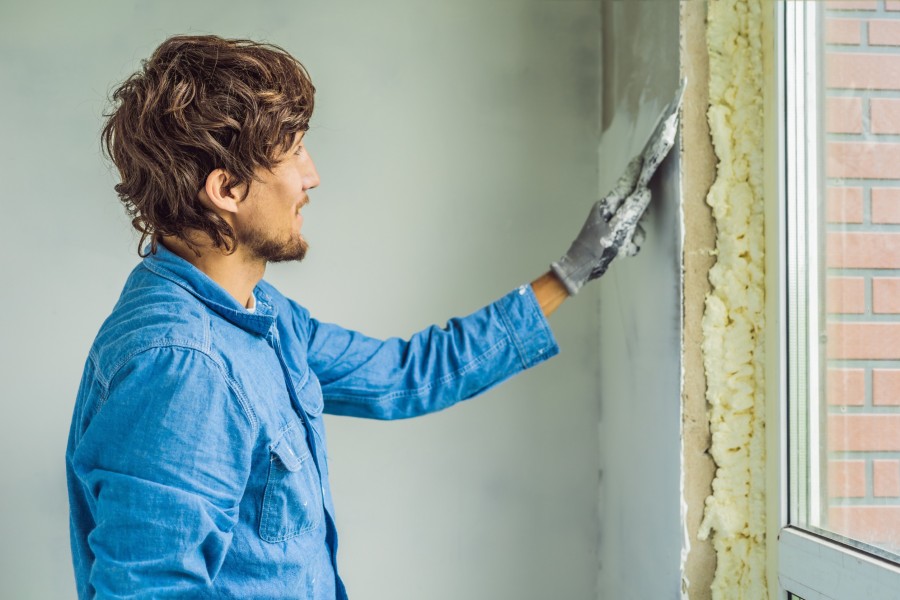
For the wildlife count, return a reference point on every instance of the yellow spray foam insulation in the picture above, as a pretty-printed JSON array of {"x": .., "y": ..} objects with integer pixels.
[{"x": 733, "y": 322}]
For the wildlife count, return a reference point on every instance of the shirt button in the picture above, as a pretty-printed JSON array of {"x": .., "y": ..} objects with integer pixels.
[{"x": 522, "y": 290}]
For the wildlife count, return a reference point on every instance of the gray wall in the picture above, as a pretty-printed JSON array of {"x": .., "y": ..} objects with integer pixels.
[
  {"x": 457, "y": 145},
  {"x": 640, "y": 320}
]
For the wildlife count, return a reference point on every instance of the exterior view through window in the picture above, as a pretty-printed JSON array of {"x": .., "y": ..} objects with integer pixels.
[{"x": 858, "y": 258}]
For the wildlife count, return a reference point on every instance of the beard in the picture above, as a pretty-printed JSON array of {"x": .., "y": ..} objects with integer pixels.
[{"x": 266, "y": 248}]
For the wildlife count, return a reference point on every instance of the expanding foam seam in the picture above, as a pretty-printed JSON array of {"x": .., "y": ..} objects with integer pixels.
[{"x": 734, "y": 322}]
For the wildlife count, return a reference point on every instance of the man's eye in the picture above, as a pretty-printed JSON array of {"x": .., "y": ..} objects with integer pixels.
[{"x": 300, "y": 149}]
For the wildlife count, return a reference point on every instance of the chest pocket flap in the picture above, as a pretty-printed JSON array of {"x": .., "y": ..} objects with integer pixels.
[{"x": 290, "y": 461}]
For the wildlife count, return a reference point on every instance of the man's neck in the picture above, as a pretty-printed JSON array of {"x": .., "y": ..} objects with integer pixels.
[{"x": 236, "y": 273}]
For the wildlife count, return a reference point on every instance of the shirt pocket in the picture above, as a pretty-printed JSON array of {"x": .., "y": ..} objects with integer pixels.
[{"x": 292, "y": 502}]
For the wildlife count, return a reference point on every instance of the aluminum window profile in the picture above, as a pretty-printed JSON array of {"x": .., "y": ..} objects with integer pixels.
[
  {"x": 816, "y": 568},
  {"x": 810, "y": 565},
  {"x": 801, "y": 165}
]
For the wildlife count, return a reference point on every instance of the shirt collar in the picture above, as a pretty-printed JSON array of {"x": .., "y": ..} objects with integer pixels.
[{"x": 169, "y": 265}]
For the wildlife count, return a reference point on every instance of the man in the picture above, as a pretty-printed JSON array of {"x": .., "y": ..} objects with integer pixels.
[{"x": 196, "y": 458}]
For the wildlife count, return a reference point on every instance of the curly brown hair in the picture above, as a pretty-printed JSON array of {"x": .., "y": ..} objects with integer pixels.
[{"x": 200, "y": 103}]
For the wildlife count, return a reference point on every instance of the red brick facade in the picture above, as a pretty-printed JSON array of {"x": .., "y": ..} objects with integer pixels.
[{"x": 861, "y": 46}]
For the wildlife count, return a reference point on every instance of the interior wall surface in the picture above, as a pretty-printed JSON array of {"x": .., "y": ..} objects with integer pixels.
[
  {"x": 457, "y": 147},
  {"x": 641, "y": 531}
]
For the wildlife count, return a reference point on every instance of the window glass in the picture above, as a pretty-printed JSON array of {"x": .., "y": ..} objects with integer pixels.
[{"x": 855, "y": 427}]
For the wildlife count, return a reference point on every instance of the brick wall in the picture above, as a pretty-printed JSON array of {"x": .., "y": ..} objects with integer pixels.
[{"x": 862, "y": 258}]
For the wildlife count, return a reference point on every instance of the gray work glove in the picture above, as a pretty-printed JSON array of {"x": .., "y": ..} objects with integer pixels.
[{"x": 610, "y": 230}]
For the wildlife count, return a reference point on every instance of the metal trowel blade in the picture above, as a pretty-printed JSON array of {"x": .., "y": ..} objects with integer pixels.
[{"x": 662, "y": 139}]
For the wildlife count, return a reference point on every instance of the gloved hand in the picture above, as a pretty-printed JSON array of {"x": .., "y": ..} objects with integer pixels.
[{"x": 610, "y": 230}]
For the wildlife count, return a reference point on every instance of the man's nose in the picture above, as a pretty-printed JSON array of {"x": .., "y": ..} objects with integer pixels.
[{"x": 310, "y": 176}]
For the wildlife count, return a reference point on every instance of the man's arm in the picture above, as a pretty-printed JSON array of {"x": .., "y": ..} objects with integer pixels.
[
  {"x": 434, "y": 368},
  {"x": 164, "y": 464}
]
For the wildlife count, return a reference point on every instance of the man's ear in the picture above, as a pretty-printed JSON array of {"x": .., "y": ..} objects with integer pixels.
[{"x": 214, "y": 194}]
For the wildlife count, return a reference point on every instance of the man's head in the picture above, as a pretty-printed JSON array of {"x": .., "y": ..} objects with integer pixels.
[{"x": 206, "y": 137}]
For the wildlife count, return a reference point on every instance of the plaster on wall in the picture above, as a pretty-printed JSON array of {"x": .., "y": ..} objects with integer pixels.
[{"x": 640, "y": 320}]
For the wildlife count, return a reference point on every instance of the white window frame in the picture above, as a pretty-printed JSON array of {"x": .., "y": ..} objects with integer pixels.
[{"x": 811, "y": 566}]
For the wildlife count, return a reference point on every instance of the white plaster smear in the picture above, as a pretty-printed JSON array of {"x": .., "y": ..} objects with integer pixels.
[{"x": 733, "y": 323}]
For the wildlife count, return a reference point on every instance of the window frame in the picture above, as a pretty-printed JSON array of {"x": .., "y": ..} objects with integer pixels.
[{"x": 809, "y": 565}]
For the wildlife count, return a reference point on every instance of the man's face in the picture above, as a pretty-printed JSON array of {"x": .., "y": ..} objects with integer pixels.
[{"x": 267, "y": 224}]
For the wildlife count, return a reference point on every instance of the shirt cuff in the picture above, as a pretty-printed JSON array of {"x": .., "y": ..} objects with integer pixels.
[{"x": 527, "y": 327}]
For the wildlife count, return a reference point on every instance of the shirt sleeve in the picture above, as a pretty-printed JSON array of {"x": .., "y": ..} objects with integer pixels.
[
  {"x": 165, "y": 462},
  {"x": 435, "y": 368}
]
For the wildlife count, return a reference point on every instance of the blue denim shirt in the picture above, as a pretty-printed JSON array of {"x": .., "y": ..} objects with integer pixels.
[{"x": 196, "y": 460}]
